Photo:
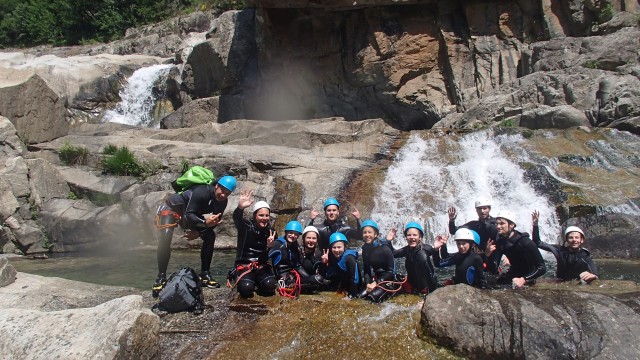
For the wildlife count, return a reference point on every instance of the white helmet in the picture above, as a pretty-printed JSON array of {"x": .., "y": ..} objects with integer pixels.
[
  {"x": 480, "y": 202},
  {"x": 463, "y": 234},
  {"x": 507, "y": 215},
  {"x": 310, "y": 229},
  {"x": 571, "y": 229},
  {"x": 261, "y": 205}
]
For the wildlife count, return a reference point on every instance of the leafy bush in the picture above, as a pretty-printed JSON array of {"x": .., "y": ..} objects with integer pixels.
[
  {"x": 122, "y": 162},
  {"x": 184, "y": 166},
  {"x": 70, "y": 154},
  {"x": 109, "y": 149},
  {"x": 508, "y": 123},
  {"x": 591, "y": 64}
]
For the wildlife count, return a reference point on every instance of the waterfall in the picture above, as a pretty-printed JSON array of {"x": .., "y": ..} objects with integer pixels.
[
  {"x": 138, "y": 98},
  {"x": 431, "y": 173}
]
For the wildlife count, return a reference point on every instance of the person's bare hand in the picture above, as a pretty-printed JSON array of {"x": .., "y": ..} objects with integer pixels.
[
  {"x": 213, "y": 220},
  {"x": 440, "y": 241},
  {"x": 491, "y": 247},
  {"x": 452, "y": 213},
  {"x": 313, "y": 214},
  {"x": 325, "y": 256},
  {"x": 518, "y": 283},
  {"x": 535, "y": 216},
  {"x": 356, "y": 213},
  {"x": 191, "y": 235},
  {"x": 392, "y": 234},
  {"x": 271, "y": 238},
  {"x": 246, "y": 198}
]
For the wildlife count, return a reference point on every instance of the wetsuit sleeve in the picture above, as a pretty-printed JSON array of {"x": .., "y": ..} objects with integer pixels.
[
  {"x": 493, "y": 261},
  {"x": 442, "y": 258},
  {"x": 429, "y": 250},
  {"x": 366, "y": 254},
  {"x": 480, "y": 280},
  {"x": 400, "y": 253},
  {"x": 540, "y": 268},
  {"x": 198, "y": 202},
  {"x": 591, "y": 265},
  {"x": 535, "y": 235},
  {"x": 354, "y": 275},
  {"x": 310, "y": 223},
  {"x": 352, "y": 233},
  {"x": 452, "y": 227}
]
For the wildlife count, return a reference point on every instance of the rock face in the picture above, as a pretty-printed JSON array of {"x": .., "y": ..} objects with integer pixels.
[
  {"x": 7, "y": 272},
  {"x": 71, "y": 320},
  {"x": 533, "y": 323}
]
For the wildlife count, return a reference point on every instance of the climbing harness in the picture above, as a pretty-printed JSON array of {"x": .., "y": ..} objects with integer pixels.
[
  {"x": 166, "y": 212},
  {"x": 243, "y": 269},
  {"x": 293, "y": 290},
  {"x": 399, "y": 284}
]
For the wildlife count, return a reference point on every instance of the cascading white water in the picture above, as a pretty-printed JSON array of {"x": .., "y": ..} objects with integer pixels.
[
  {"x": 430, "y": 175},
  {"x": 138, "y": 100}
]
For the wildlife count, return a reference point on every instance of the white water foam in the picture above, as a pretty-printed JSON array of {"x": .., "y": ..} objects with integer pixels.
[
  {"x": 136, "y": 107},
  {"x": 428, "y": 176}
]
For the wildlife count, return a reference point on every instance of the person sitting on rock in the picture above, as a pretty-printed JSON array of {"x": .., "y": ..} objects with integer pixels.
[
  {"x": 341, "y": 266},
  {"x": 333, "y": 223},
  {"x": 421, "y": 277},
  {"x": 378, "y": 264},
  {"x": 574, "y": 261},
  {"x": 310, "y": 270},
  {"x": 468, "y": 262},
  {"x": 526, "y": 263},
  {"x": 286, "y": 259},
  {"x": 187, "y": 210},
  {"x": 485, "y": 226},
  {"x": 252, "y": 271}
]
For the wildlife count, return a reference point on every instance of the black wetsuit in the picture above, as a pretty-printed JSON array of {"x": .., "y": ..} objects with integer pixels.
[
  {"x": 252, "y": 250},
  {"x": 286, "y": 257},
  {"x": 344, "y": 272},
  {"x": 469, "y": 267},
  {"x": 570, "y": 263},
  {"x": 326, "y": 229},
  {"x": 420, "y": 272},
  {"x": 190, "y": 206},
  {"x": 524, "y": 258},
  {"x": 485, "y": 228},
  {"x": 379, "y": 266}
]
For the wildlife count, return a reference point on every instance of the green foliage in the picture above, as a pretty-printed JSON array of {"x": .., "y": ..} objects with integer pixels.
[
  {"x": 184, "y": 166},
  {"x": 46, "y": 243},
  {"x": 73, "y": 22},
  {"x": 606, "y": 13},
  {"x": 508, "y": 123},
  {"x": 150, "y": 168},
  {"x": 527, "y": 133},
  {"x": 72, "y": 196},
  {"x": 70, "y": 154},
  {"x": 591, "y": 64},
  {"x": 122, "y": 162},
  {"x": 109, "y": 149}
]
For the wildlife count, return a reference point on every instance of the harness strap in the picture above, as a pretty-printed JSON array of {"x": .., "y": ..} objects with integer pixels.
[
  {"x": 163, "y": 213},
  {"x": 293, "y": 291},
  {"x": 399, "y": 283},
  {"x": 245, "y": 268}
]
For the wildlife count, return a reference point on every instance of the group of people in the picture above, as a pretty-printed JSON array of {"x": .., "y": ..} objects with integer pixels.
[{"x": 318, "y": 257}]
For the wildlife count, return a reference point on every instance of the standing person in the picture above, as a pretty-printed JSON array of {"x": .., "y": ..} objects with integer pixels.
[
  {"x": 342, "y": 266},
  {"x": 485, "y": 226},
  {"x": 333, "y": 223},
  {"x": 187, "y": 209},
  {"x": 420, "y": 272},
  {"x": 252, "y": 271},
  {"x": 468, "y": 262},
  {"x": 574, "y": 261},
  {"x": 526, "y": 263},
  {"x": 378, "y": 264}
]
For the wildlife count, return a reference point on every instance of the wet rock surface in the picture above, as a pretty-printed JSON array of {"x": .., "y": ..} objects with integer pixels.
[{"x": 545, "y": 322}]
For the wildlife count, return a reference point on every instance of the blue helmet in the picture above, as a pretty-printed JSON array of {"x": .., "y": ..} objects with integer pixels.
[
  {"x": 338, "y": 236},
  {"x": 372, "y": 224},
  {"x": 413, "y": 225},
  {"x": 228, "y": 182},
  {"x": 476, "y": 237},
  {"x": 294, "y": 225},
  {"x": 331, "y": 201}
]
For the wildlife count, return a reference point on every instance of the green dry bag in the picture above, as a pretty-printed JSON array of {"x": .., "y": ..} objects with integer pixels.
[{"x": 195, "y": 175}]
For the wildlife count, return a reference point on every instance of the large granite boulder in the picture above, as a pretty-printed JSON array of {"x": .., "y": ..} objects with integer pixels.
[
  {"x": 72, "y": 320},
  {"x": 7, "y": 272},
  {"x": 533, "y": 324}
]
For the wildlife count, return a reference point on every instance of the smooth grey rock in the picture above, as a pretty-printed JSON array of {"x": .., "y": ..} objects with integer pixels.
[
  {"x": 7, "y": 272},
  {"x": 46, "y": 182},
  {"x": 533, "y": 323},
  {"x": 559, "y": 117}
]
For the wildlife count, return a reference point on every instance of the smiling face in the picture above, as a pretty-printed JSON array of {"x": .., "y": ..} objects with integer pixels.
[
  {"x": 368, "y": 234},
  {"x": 483, "y": 212},
  {"x": 332, "y": 213},
  {"x": 337, "y": 249},
  {"x": 413, "y": 237},
  {"x": 261, "y": 216},
  {"x": 504, "y": 227},
  {"x": 310, "y": 240},
  {"x": 463, "y": 246},
  {"x": 291, "y": 236},
  {"x": 574, "y": 240},
  {"x": 220, "y": 192}
]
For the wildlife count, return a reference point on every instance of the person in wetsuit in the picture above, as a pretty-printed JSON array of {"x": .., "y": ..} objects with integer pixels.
[
  {"x": 574, "y": 261},
  {"x": 526, "y": 263},
  {"x": 469, "y": 264},
  {"x": 421, "y": 275},
  {"x": 286, "y": 259},
  {"x": 342, "y": 266},
  {"x": 378, "y": 264},
  {"x": 311, "y": 268},
  {"x": 333, "y": 223},
  {"x": 485, "y": 226},
  {"x": 252, "y": 271},
  {"x": 187, "y": 210}
]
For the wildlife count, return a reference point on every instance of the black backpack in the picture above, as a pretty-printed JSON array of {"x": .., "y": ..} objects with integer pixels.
[{"x": 182, "y": 292}]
